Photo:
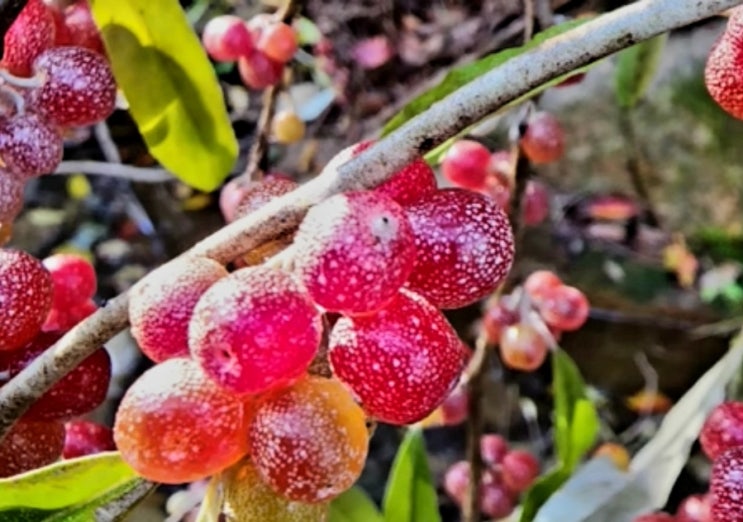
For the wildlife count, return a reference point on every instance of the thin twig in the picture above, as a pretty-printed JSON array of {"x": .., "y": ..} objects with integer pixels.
[
  {"x": 589, "y": 42},
  {"x": 257, "y": 164},
  {"x": 114, "y": 170},
  {"x": 544, "y": 14},
  {"x": 528, "y": 20}
]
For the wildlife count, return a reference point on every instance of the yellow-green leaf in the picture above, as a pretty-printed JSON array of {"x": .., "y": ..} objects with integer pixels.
[
  {"x": 171, "y": 87},
  {"x": 636, "y": 67}
]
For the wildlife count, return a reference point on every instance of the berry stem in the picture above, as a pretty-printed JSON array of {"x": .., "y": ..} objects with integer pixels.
[
  {"x": 18, "y": 81},
  {"x": 585, "y": 44},
  {"x": 15, "y": 96}
]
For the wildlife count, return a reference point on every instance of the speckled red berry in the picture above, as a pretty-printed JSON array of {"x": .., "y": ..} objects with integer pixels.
[
  {"x": 400, "y": 362},
  {"x": 160, "y": 307},
  {"x": 29, "y": 145},
  {"x": 32, "y": 32},
  {"x": 81, "y": 28},
  {"x": 86, "y": 438},
  {"x": 25, "y": 297},
  {"x": 465, "y": 247},
  {"x": 354, "y": 251},
  {"x": 723, "y": 74},
  {"x": 226, "y": 38},
  {"x": 466, "y": 164},
  {"x": 723, "y": 429},
  {"x": 73, "y": 279},
  {"x": 259, "y": 193},
  {"x": 30, "y": 445},
  {"x": 726, "y": 486},
  {"x": 255, "y": 330},
  {"x": 176, "y": 425}
]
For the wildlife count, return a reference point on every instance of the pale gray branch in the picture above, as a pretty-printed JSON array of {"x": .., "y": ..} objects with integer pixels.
[{"x": 114, "y": 170}]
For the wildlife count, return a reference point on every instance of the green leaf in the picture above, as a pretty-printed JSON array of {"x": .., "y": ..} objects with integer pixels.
[
  {"x": 410, "y": 494},
  {"x": 583, "y": 431},
  {"x": 471, "y": 71},
  {"x": 636, "y": 67},
  {"x": 569, "y": 390},
  {"x": 171, "y": 88},
  {"x": 354, "y": 506},
  {"x": 541, "y": 491}
]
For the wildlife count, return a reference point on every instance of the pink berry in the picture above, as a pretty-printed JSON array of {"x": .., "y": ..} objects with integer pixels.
[
  {"x": 493, "y": 449},
  {"x": 79, "y": 87},
  {"x": 86, "y": 438},
  {"x": 465, "y": 247},
  {"x": 29, "y": 145},
  {"x": 25, "y": 297},
  {"x": 563, "y": 307},
  {"x": 467, "y": 164},
  {"x": 723, "y": 429},
  {"x": 401, "y": 362},
  {"x": 11, "y": 197},
  {"x": 655, "y": 517},
  {"x": 495, "y": 500},
  {"x": 354, "y": 251},
  {"x": 81, "y": 28},
  {"x": 65, "y": 318},
  {"x": 457, "y": 480},
  {"x": 695, "y": 508},
  {"x": 30, "y": 445},
  {"x": 544, "y": 139},
  {"x": 522, "y": 347},
  {"x": 536, "y": 203},
  {"x": 519, "y": 470},
  {"x": 259, "y": 193},
  {"x": 726, "y": 485},
  {"x": 258, "y": 71},
  {"x": 255, "y": 330},
  {"x": 226, "y": 38},
  {"x": 454, "y": 408},
  {"x": 73, "y": 279},
  {"x": 540, "y": 282},
  {"x": 161, "y": 306},
  {"x": 32, "y": 32},
  {"x": 278, "y": 41},
  {"x": 496, "y": 318}
]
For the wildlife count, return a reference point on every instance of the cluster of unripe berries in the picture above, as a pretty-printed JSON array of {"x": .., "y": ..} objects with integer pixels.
[
  {"x": 286, "y": 362},
  {"x": 40, "y": 302},
  {"x": 507, "y": 473},
  {"x": 528, "y": 322},
  {"x": 261, "y": 46},
  {"x": 54, "y": 75}
]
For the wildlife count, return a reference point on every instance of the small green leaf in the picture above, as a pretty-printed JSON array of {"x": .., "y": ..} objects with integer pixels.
[
  {"x": 410, "y": 494},
  {"x": 171, "y": 88},
  {"x": 583, "y": 431},
  {"x": 354, "y": 506},
  {"x": 541, "y": 491},
  {"x": 569, "y": 390},
  {"x": 636, "y": 67},
  {"x": 469, "y": 72}
]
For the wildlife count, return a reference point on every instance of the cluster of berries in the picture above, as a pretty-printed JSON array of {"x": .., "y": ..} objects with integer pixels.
[
  {"x": 40, "y": 301},
  {"x": 527, "y": 323},
  {"x": 507, "y": 473},
  {"x": 261, "y": 46},
  {"x": 54, "y": 75},
  {"x": 284, "y": 363}
]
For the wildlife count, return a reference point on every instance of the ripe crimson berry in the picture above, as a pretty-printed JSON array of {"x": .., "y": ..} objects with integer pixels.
[
  {"x": 536, "y": 203},
  {"x": 32, "y": 32},
  {"x": 78, "y": 89},
  {"x": 278, "y": 41},
  {"x": 287, "y": 127},
  {"x": 73, "y": 279},
  {"x": 11, "y": 199},
  {"x": 258, "y": 71},
  {"x": 522, "y": 347},
  {"x": 86, "y": 438},
  {"x": 255, "y": 330},
  {"x": 25, "y": 296},
  {"x": 465, "y": 247},
  {"x": 161, "y": 306},
  {"x": 466, "y": 164},
  {"x": 726, "y": 485},
  {"x": 544, "y": 139},
  {"x": 723, "y": 74},
  {"x": 81, "y": 28},
  {"x": 519, "y": 470},
  {"x": 309, "y": 441},
  {"x": 30, "y": 445},
  {"x": 29, "y": 145},
  {"x": 563, "y": 307},
  {"x": 354, "y": 251},
  {"x": 226, "y": 38},
  {"x": 695, "y": 508},
  {"x": 495, "y": 499},
  {"x": 176, "y": 425},
  {"x": 400, "y": 362},
  {"x": 457, "y": 480},
  {"x": 723, "y": 429},
  {"x": 540, "y": 282},
  {"x": 493, "y": 449}
]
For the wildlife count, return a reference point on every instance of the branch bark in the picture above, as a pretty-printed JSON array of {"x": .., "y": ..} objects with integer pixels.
[{"x": 515, "y": 78}]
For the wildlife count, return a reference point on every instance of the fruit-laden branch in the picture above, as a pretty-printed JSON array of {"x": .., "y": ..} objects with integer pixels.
[{"x": 583, "y": 45}]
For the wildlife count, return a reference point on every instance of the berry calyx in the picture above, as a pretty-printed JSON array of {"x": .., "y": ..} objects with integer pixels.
[
  {"x": 29, "y": 145},
  {"x": 544, "y": 139},
  {"x": 522, "y": 347},
  {"x": 226, "y": 38},
  {"x": 86, "y": 438},
  {"x": 309, "y": 442},
  {"x": 466, "y": 164},
  {"x": 723, "y": 429},
  {"x": 176, "y": 425},
  {"x": 30, "y": 445}
]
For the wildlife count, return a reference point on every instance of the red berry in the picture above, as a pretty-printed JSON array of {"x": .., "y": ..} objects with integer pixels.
[
  {"x": 86, "y": 438},
  {"x": 278, "y": 41},
  {"x": 563, "y": 307},
  {"x": 695, "y": 508},
  {"x": 536, "y": 203},
  {"x": 726, "y": 485},
  {"x": 519, "y": 470},
  {"x": 32, "y": 32},
  {"x": 309, "y": 442},
  {"x": 495, "y": 500},
  {"x": 30, "y": 445},
  {"x": 466, "y": 164},
  {"x": 354, "y": 251},
  {"x": 73, "y": 279},
  {"x": 544, "y": 139},
  {"x": 79, "y": 392},
  {"x": 258, "y": 71},
  {"x": 11, "y": 198},
  {"x": 255, "y": 330},
  {"x": 400, "y": 362},
  {"x": 226, "y": 38},
  {"x": 176, "y": 425},
  {"x": 64, "y": 319},
  {"x": 81, "y": 28},
  {"x": 454, "y": 408},
  {"x": 161, "y": 306},
  {"x": 655, "y": 517},
  {"x": 540, "y": 282},
  {"x": 723, "y": 429},
  {"x": 522, "y": 347},
  {"x": 242, "y": 198},
  {"x": 465, "y": 247},
  {"x": 493, "y": 449},
  {"x": 25, "y": 297},
  {"x": 496, "y": 318},
  {"x": 78, "y": 89},
  {"x": 723, "y": 74},
  {"x": 29, "y": 145},
  {"x": 457, "y": 480}
]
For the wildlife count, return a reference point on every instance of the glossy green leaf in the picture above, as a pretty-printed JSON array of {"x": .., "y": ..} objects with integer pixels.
[
  {"x": 354, "y": 506},
  {"x": 583, "y": 431},
  {"x": 469, "y": 72},
  {"x": 636, "y": 67},
  {"x": 410, "y": 494},
  {"x": 171, "y": 87}
]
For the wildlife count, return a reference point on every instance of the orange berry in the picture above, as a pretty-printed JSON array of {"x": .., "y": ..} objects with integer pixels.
[
  {"x": 278, "y": 41},
  {"x": 616, "y": 453},
  {"x": 287, "y": 127}
]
